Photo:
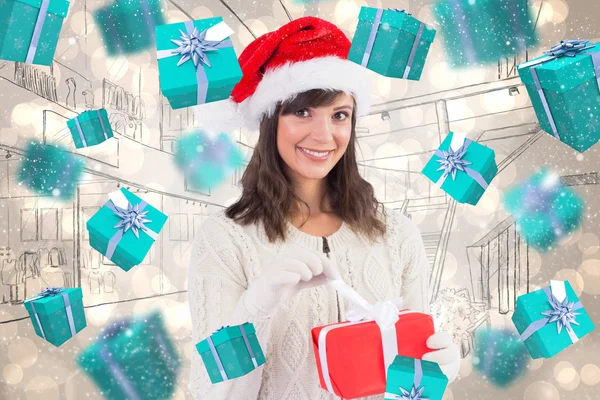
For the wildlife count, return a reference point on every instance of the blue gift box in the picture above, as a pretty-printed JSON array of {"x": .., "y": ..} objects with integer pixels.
[
  {"x": 463, "y": 173},
  {"x": 57, "y": 314},
  {"x": 551, "y": 319},
  {"x": 125, "y": 233},
  {"x": 410, "y": 378},
  {"x": 231, "y": 352},
  {"x": 90, "y": 128}
]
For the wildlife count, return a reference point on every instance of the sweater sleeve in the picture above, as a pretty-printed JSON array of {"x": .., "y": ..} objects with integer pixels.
[
  {"x": 216, "y": 289},
  {"x": 415, "y": 276}
]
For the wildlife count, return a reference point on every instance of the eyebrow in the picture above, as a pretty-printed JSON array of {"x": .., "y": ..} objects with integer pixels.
[{"x": 343, "y": 107}]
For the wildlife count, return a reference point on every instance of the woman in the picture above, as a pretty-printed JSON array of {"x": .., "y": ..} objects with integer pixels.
[{"x": 305, "y": 216}]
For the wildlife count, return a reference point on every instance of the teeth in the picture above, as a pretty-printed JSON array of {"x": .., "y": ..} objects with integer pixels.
[{"x": 314, "y": 153}]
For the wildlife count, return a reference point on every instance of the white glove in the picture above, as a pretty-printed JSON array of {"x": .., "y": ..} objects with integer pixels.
[
  {"x": 445, "y": 353},
  {"x": 294, "y": 271}
]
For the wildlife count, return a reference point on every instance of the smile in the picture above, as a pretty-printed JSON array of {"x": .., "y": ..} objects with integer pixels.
[{"x": 316, "y": 154}]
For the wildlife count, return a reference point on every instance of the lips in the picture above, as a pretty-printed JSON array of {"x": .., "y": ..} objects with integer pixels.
[{"x": 315, "y": 155}]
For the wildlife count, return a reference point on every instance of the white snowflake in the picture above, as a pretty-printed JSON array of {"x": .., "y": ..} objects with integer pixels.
[
  {"x": 19, "y": 43},
  {"x": 230, "y": 367},
  {"x": 378, "y": 56},
  {"x": 44, "y": 47}
]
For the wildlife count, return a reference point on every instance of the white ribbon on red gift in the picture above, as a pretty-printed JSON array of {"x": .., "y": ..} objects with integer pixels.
[{"x": 385, "y": 314}]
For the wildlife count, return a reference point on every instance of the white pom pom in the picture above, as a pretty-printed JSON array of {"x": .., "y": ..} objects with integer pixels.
[{"x": 219, "y": 116}]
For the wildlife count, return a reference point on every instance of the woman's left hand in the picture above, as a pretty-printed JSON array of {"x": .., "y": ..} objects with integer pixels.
[{"x": 445, "y": 353}]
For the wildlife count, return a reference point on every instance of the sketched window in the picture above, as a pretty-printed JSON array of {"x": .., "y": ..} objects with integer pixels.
[
  {"x": 29, "y": 224},
  {"x": 198, "y": 220},
  {"x": 67, "y": 227},
  {"x": 49, "y": 223},
  {"x": 88, "y": 213},
  {"x": 179, "y": 228}
]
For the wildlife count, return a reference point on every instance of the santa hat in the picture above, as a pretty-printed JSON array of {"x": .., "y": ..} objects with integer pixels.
[{"x": 304, "y": 54}]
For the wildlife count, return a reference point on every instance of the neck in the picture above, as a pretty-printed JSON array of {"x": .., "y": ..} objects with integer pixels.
[{"x": 311, "y": 191}]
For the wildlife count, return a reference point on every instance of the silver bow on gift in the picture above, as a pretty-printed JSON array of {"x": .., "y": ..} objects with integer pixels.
[
  {"x": 51, "y": 291},
  {"x": 193, "y": 46},
  {"x": 132, "y": 218},
  {"x": 563, "y": 313},
  {"x": 414, "y": 394},
  {"x": 402, "y": 11},
  {"x": 569, "y": 48},
  {"x": 452, "y": 161}
]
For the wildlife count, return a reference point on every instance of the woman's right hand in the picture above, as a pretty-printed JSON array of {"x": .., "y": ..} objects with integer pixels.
[{"x": 289, "y": 274}]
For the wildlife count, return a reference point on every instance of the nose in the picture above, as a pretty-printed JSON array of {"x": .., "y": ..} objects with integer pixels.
[{"x": 322, "y": 129}]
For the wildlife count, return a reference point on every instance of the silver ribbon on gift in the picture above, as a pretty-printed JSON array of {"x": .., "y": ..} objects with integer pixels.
[
  {"x": 566, "y": 48},
  {"x": 452, "y": 161},
  {"x": 53, "y": 291},
  {"x": 416, "y": 392},
  {"x": 562, "y": 312},
  {"x": 217, "y": 358},
  {"x": 373, "y": 36},
  {"x": 193, "y": 46},
  {"x": 80, "y": 131},
  {"x": 37, "y": 31},
  {"x": 134, "y": 218}
]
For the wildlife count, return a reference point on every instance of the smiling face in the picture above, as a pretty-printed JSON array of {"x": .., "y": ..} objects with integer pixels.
[{"x": 312, "y": 140}]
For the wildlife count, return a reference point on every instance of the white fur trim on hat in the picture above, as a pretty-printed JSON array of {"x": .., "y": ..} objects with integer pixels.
[{"x": 280, "y": 84}]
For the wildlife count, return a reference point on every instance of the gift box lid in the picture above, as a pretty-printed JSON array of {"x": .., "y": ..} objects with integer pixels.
[
  {"x": 407, "y": 365},
  {"x": 50, "y": 304},
  {"x": 397, "y": 19},
  {"x": 561, "y": 74},
  {"x": 176, "y": 80},
  {"x": 56, "y": 7},
  {"x": 87, "y": 116},
  {"x": 225, "y": 334}
]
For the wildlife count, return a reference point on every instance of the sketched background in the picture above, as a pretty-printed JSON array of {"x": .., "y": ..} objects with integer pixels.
[{"x": 479, "y": 264}]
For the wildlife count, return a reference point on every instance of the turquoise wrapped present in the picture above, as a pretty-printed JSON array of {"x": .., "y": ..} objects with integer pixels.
[
  {"x": 196, "y": 62},
  {"x": 564, "y": 88},
  {"x": 462, "y": 168},
  {"x": 391, "y": 42},
  {"x": 90, "y": 128},
  {"x": 133, "y": 359},
  {"x": 57, "y": 314},
  {"x": 545, "y": 210},
  {"x": 125, "y": 228},
  {"x": 551, "y": 319},
  {"x": 50, "y": 170},
  {"x": 30, "y": 29},
  {"x": 414, "y": 379},
  {"x": 483, "y": 31},
  {"x": 231, "y": 352},
  {"x": 127, "y": 26}
]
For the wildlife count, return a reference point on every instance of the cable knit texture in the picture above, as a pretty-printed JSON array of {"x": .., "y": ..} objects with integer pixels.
[{"x": 227, "y": 257}]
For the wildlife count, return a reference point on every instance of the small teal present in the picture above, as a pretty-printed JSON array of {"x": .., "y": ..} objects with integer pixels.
[
  {"x": 57, "y": 314},
  {"x": 544, "y": 210},
  {"x": 391, "y": 42},
  {"x": 133, "y": 359},
  {"x": 90, "y": 128},
  {"x": 551, "y": 319},
  {"x": 125, "y": 229},
  {"x": 127, "y": 26},
  {"x": 483, "y": 31},
  {"x": 196, "y": 62},
  {"x": 462, "y": 168},
  {"x": 414, "y": 379},
  {"x": 564, "y": 88},
  {"x": 231, "y": 352},
  {"x": 29, "y": 29}
]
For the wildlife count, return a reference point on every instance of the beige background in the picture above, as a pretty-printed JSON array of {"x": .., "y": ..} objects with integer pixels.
[{"x": 474, "y": 251}]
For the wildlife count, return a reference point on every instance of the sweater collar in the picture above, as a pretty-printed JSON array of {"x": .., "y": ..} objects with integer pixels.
[{"x": 337, "y": 241}]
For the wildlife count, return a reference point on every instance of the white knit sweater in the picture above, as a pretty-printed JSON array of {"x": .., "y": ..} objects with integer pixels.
[{"x": 227, "y": 257}]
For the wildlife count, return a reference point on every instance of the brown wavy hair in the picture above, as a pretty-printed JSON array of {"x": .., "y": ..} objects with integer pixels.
[{"x": 268, "y": 195}]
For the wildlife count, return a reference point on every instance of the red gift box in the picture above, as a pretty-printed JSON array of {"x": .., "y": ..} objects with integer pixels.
[{"x": 355, "y": 359}]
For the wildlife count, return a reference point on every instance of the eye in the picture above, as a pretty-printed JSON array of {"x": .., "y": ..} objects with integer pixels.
[
  {"x": 302, "y": 113},
  {"x": 341, "y": 116}
]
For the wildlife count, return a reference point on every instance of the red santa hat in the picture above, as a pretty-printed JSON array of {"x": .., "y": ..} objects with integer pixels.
[{"x": 304, "y": 54}]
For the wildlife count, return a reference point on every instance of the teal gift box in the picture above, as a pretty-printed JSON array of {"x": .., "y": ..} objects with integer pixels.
[
  {"x": 411, "y": 378},
  {"x": 400, "y": 43},
  {"x": 127, "y": 26},
  {"x": 57, "y": 314},
  {"x": 26, "y": 38},
  {"x": 483, "y": 31},
  {"x": 568, "y": 86},
  {"x": 90, "y": 128},
  {"x": 468, "y": 185},
  {"x": 121, "y": 244},
  {"x": 540, "y": 318},
  {"x": 133, "y": 359},
  {"x": 185, "y": 84},
  {"x": 544, "y": 209},
  {"x": 231, "y": 352}
]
